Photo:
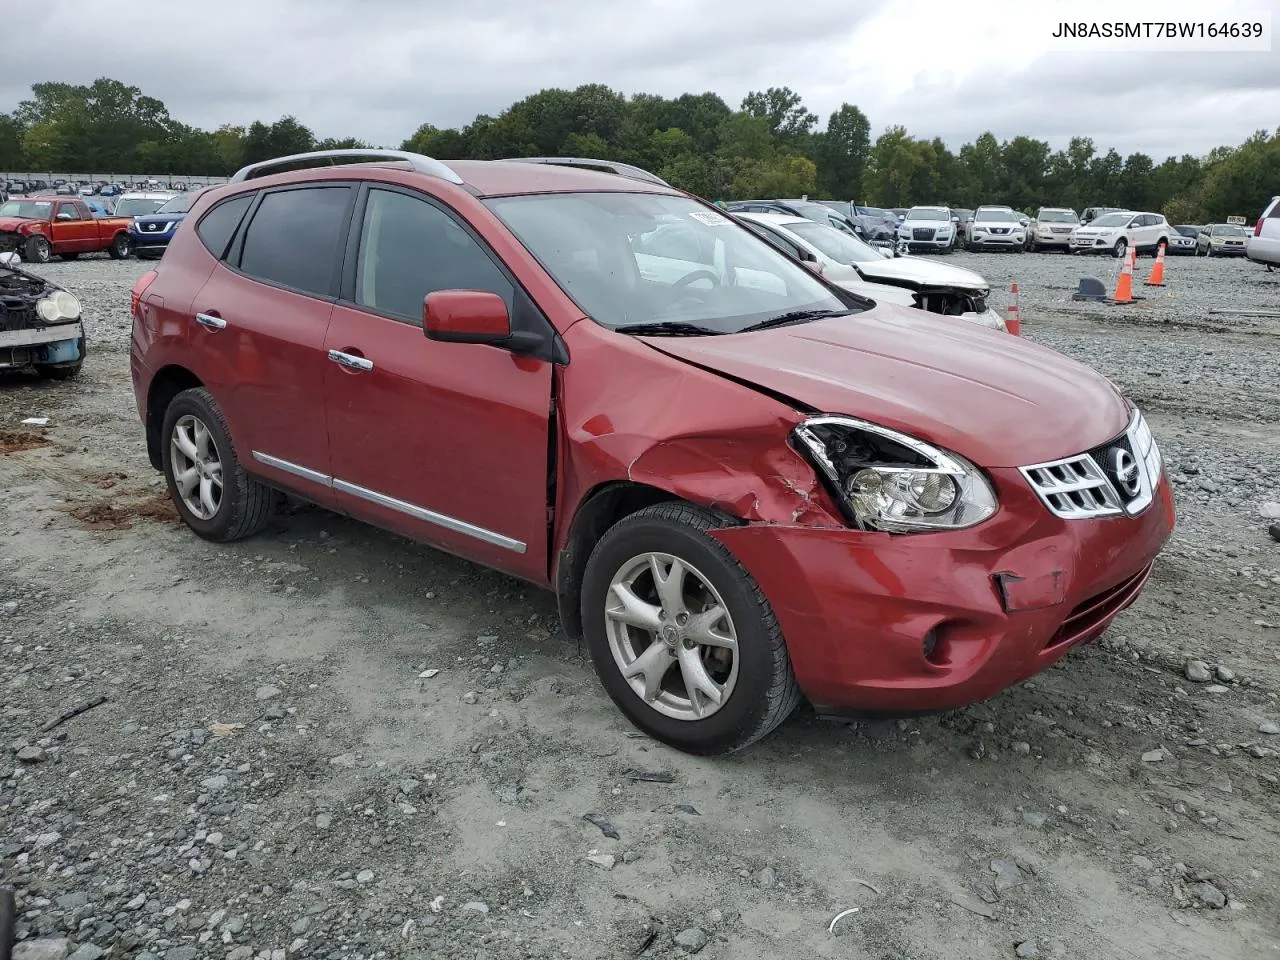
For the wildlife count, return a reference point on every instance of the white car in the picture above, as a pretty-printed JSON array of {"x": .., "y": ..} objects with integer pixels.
[
  {"x": 1115, "y": 233},
  {"x": 1263, "y": 245},
  {"x": 928, "y": 228},
  {"x": 142, "y": 203},
  {"x": 997, "y": 228},
  {"x": 875, "y": 274},
  {"x": 1052, "y": 228}
]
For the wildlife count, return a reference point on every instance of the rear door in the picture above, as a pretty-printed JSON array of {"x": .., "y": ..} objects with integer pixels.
[
  {"x": 259, "y": 324},
  {"x": 444, "y": 442}
]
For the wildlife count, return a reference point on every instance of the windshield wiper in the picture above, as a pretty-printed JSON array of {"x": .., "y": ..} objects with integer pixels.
[
  {"x": 794, "y": 316},
  {"x": 668, "y": 328}
]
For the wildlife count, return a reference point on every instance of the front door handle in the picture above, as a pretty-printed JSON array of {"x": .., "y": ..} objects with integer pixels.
[
  {"x": 350, "y": 361},
  {"x": 210, "y": 322}
]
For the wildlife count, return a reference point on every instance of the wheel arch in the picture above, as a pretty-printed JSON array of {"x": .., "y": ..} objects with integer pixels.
[{"x": 165, "y": 385}]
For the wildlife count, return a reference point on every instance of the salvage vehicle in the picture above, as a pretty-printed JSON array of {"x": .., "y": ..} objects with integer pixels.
[
  {"x": 40, "y": 325},
  {"x": 1183, "y": 239},
  {"x": 149, "y": 234},
  {"x": 810, "y": 209},
  {"x": 1090, "y": 214},
  {"x": 1115, "y": 233},
  {"x": 1263, "y": 245},
  {"x": 928, "y": 228},
  {"x": 744, "y": 483},
  {"x": 1051, "y": 229},
  {"x": 852, "y": 264},
  {"x": 1221, "y": 240},
  {"x": 997, "y": 228},
  {"x": 37, "y": 228}
]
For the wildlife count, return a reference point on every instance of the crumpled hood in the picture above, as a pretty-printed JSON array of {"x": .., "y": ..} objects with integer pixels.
[
  {"x": 12, "y": 223},
  {"x": 918, "y": 270},
  {"x": 998, "y": 400}
]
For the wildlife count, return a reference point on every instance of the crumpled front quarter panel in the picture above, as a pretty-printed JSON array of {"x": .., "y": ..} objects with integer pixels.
[{"x": 631, "y": 413}]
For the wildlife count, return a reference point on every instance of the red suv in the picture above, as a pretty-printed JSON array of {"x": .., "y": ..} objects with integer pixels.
[{"x": 744, "y": 483}]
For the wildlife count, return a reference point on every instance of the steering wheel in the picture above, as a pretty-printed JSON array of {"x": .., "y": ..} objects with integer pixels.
[{"x": 695, "y": 276}]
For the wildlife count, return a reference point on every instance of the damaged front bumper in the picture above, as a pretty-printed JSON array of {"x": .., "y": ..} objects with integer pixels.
[
  {"x": 903, "y": 624},
  {"x": 62, "y": 345}
]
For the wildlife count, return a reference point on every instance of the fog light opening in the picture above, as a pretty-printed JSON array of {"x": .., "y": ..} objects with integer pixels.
[{"x": 930, "y": 646}]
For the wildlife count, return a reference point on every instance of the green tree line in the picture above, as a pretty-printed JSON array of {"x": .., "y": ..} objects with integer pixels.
[{"x": 771, "y": 146}]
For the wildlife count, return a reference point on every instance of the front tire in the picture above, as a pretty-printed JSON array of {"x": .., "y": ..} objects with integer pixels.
[
  {"x": 37, "y": 250},
  {"x": 214, "y": 495},
  {"x": 681, "y": 636},
  {"x": 1120, "y": 249}
]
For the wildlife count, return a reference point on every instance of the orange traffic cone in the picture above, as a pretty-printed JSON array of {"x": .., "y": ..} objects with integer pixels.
[
  {"x": 1013, "y": 322},
  {"x": 1124, "y": 285},
  {"x": 1157, "y": 272}
]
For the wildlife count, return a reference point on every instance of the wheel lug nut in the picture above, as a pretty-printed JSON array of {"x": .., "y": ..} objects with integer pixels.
[{"x": 682, "y": 619}]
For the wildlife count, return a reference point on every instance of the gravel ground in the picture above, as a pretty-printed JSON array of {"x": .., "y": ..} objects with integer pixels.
[{"x": 330, "y": 742}]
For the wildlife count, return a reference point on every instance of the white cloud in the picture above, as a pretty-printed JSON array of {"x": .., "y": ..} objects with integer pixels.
[{"x": 376, "y": 69}]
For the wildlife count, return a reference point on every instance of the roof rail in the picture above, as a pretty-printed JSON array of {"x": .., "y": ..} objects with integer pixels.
[
  {"x": 604, "y": 166},
  {"x": 419, "y": 162}
]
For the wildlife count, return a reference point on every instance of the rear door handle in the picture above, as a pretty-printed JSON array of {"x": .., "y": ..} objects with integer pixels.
[
  {"x": 350, "y": 360},
  {"x": 210, "y": 322}
]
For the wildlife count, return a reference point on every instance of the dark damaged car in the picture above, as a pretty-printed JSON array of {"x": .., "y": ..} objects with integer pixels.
[
  {"x": 40, "y": 325},
  {"x": 744, "y": 483}
]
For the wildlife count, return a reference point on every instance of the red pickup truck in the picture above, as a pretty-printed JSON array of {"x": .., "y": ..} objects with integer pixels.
[{"x": 37, "y": 228}]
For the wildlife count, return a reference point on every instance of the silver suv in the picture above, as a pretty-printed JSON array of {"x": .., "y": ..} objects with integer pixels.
[{"x": 1051, "y": 229}]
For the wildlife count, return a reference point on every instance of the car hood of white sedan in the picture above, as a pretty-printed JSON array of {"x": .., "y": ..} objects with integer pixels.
[{"x": 918, "y": 270}]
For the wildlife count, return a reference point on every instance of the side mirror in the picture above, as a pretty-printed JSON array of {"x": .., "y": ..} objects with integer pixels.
[
  {"x": 473, "y": 316},
  {"x": 955, "y": 219},
  {"x": 64, "y": 216}
]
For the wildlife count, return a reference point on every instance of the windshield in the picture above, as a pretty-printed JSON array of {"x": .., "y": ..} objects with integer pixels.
[
  {"x": 839, "y": 246},
  {"x": 997, "y": 216},
  {"x": 1228, "y": 230},
  {"x": 137, "y": 206},
  {"x": 1114, "y": 220},
  {"x": 635, "y": 258},
  {"x": 179, "y": 204},
  {"x": 929, "y": 213},
  {"x": 1191, "y": 232},
  {"x": 875, "y": 212},
  {"x": 26, "y": 209},
  {"x": 1057, "y": 216}
]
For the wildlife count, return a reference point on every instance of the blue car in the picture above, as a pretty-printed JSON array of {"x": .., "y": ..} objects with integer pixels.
[{"x": 149, "y": 235}]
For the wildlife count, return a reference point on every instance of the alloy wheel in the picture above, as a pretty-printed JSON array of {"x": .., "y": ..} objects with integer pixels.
[
  {"x": 671, "y": 636},
  {"x": 197, "y": 467}
]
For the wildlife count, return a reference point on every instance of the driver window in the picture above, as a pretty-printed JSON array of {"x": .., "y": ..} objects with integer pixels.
[{"x": 68, "y": 211}]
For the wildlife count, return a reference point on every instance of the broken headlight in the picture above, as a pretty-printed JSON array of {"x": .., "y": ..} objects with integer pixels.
[
  {"x": 59, "y": 307},
  {"x": 885, "y": 480}
]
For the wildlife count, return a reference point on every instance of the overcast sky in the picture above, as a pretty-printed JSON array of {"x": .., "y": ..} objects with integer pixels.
[{"x": 376, "y": 69}]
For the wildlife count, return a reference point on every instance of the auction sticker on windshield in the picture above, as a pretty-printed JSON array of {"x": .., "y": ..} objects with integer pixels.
[{"x": 709, "y": 218}]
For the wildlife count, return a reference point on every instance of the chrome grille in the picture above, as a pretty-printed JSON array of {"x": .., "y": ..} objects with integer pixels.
[{"x": 1118, "y": 477}]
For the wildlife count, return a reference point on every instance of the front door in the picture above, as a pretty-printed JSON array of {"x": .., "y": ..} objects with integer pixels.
[
  {"x": 443, "y": 442},
  {"x": 72, "y": 233},
  {"x": 258, "y": 329}
]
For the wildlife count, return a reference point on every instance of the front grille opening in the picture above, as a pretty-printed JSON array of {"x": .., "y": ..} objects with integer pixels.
[{"x": 1099, "y": 609}]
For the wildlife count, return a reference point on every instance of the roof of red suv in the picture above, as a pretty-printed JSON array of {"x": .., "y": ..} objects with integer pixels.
[{"x": 483, "y": 178}]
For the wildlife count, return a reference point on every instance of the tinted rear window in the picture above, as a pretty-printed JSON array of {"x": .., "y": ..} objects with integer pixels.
[
  {"x": 293, "y": 238},
  {"x": 219, "y": 224}
]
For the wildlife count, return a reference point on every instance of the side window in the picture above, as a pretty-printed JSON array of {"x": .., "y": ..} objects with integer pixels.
[
  {"x": 69, "y": 210},
  {"x": 409, "y": 248},
  {"x": 218, "y": 226},
  {"x": 293, "y": 238},
  {"x": 764, "y": 233}
]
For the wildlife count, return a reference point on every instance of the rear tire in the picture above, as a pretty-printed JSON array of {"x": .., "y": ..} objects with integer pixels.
[
  {"x": 120, "y": 246},
  {"x": 240, "y": 506},
  {"x": 757, "y": 684}
]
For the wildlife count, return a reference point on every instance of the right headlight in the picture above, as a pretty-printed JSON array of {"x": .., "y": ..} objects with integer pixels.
[{"x": 886, "y": 480}]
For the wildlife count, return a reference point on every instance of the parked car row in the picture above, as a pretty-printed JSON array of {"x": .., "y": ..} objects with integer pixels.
[{"x": 39, "y": 228}]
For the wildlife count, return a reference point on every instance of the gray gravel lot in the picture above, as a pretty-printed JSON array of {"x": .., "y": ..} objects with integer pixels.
[{"x": 277, "y": 772}]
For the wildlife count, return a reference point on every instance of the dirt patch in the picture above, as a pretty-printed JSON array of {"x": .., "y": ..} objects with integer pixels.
[
  {"x": 105, "y": 515},
  {"x": 15, "y": 441}
]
